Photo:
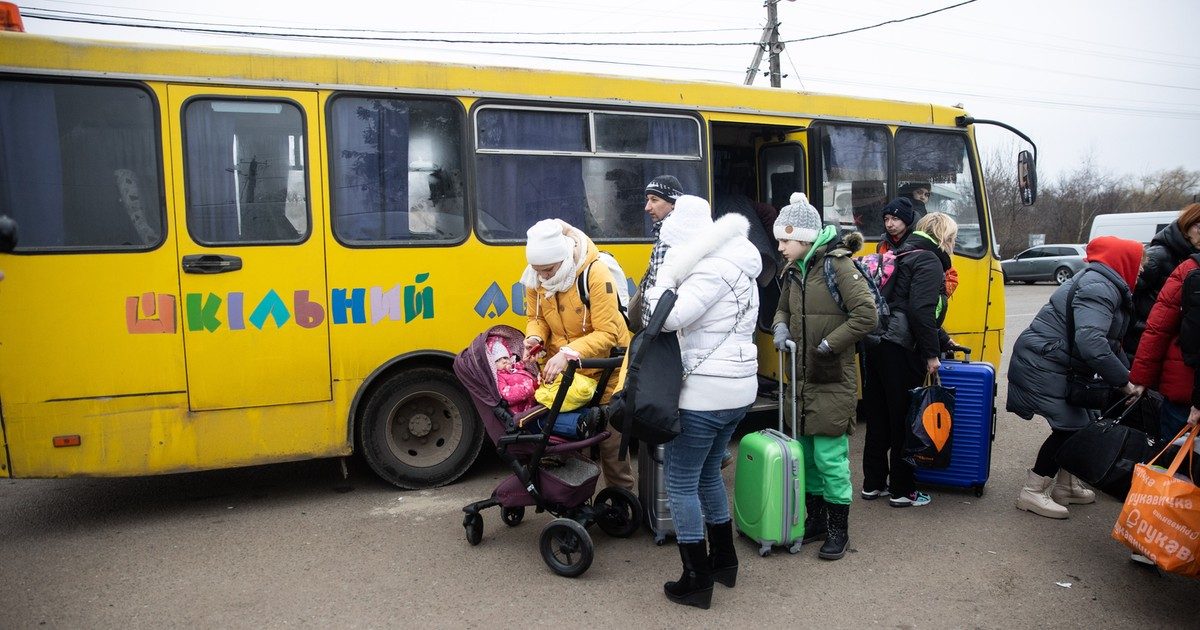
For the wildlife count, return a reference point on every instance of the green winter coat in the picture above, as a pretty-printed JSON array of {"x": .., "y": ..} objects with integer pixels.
[{"x": 827, "y": 386}]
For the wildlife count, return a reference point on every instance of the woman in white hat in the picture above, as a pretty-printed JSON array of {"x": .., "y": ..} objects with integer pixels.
[{"x": 565, "y": 327}]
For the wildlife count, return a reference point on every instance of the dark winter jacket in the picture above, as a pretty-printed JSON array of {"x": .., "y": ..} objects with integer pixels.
[
  {"x": 1159, "y": 362},
  {"x": 1037, "y": 372},
  {"x": 1166, "y": 250},
  {"x": 916, "y": 294},
  {"x": 827, "y": 385}
]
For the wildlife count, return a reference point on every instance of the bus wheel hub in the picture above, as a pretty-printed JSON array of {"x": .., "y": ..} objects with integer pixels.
[{"x": 419, "y": 425}]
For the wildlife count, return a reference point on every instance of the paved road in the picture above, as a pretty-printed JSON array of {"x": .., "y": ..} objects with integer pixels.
[{"x": 295, "y": 545}]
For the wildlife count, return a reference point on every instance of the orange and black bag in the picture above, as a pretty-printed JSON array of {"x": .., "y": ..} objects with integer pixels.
[
  {"x": 1161, "y": 516},
  {"x": 930, "y": 419}
]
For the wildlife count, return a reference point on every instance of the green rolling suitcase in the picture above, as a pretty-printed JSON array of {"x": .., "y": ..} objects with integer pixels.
[{"x": 768, "y": 483}]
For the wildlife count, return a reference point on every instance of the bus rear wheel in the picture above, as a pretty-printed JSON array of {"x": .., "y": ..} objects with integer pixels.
[{"x": 419, "y": 430}]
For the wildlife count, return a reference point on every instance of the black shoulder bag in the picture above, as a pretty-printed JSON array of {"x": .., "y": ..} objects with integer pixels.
[
  {"x": 1084, "y": 388},
  {"x": 649, "y": 403}
]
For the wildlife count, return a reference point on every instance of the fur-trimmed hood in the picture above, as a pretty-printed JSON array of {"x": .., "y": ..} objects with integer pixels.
[{"x": 693, "y": 238}]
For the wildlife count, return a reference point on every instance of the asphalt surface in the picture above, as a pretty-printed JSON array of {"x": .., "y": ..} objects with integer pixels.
[{"x": 298, "y": 545}]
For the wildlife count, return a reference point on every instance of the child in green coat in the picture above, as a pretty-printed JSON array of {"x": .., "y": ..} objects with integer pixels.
[{"x": 826, "y": 334}]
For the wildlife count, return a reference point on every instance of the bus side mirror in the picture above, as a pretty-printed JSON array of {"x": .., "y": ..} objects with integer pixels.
[
  {"x": 8, "y": 234},
  {"x": 1026, "y": 178}
]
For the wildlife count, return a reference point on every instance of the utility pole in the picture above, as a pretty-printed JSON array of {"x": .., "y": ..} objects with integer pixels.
[
  {"x": 769, "y": 42},
  {"x": 773, "y": 45}
]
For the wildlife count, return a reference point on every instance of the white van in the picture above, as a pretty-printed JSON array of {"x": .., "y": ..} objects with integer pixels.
[{"x": 1139, "y": 226}]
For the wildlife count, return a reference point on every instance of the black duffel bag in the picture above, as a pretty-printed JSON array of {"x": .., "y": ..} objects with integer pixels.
[{"x": 1103, "y": 453}]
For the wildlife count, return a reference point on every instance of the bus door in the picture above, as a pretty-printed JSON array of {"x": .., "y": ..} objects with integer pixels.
[
  {"x": 781, "y": 172},
  {"x": 248, "y": 200}
]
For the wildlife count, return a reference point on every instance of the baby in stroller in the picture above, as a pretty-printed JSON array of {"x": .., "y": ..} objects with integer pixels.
[
  {"x": 564, "y": 490},
  {"x": 517, "y": 382}
]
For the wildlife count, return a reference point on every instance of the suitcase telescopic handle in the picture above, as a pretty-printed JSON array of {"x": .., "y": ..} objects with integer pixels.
[{"x": 790, "y": 348}]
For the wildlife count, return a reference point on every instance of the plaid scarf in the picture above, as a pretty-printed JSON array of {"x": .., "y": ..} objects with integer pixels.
[{"x": 657, "y": 255}]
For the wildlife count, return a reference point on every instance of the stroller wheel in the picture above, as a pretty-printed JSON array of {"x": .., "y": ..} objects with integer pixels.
[
  {"x": 473, "y": 523},
  {"x": 618, "y": 512},
  {"x": 512, "y": 516},
  {"x": 566, "y": 547}
]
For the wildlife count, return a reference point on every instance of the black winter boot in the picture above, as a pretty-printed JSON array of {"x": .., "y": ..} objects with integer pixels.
[
  {"x": 814, "y": 523},
  {"x": 839, "y": 534},
  {"x": 695, "y": 586},
  {"x": 722, "y": 558}
]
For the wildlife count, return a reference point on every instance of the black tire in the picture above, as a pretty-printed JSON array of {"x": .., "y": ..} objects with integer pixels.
[
  {"x": 419, "y": 430},
  {"x": 1062, "y": 274},
  {"x": 512, "y": 516},
  {"x": 566, "y": 547},
  {"x": 978, "y": 491},
  {"x": 618, "y": 512},
  {"x": 473, "y": 524}
]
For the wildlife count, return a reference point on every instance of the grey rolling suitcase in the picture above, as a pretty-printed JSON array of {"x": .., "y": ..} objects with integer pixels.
[{"x": 652, "y": 492}]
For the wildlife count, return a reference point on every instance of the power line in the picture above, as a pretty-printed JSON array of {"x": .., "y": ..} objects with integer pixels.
[
  {"x": 162, "y": 25},
  {"x": 885, "y": 23},
  {"x": 167, "y": 23}
]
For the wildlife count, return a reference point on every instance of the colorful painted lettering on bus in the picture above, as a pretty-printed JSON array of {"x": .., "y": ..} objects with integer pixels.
[{"x": 154, "y": 313}]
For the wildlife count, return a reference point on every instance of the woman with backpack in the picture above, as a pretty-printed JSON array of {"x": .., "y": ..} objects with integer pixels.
[
  {"x": 908, "y": 351},
  {"x": 567, "y": 327},
  {"x": 827, "y": 307},
  {"x": 711, "y": 267},
  {"x": 1075, "y": 335}
]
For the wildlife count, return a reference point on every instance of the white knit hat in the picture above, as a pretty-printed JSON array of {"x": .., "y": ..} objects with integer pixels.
[
  {"x": 546, "y": 243},
  {"x": 798, "y": 221}
]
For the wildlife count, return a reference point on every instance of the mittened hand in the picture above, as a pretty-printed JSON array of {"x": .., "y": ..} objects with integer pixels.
[
  {"x": 780, "y": 331},
  {"x": 824, "y": 348}
]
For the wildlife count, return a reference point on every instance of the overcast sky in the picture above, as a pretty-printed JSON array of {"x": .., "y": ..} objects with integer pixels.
[{"x": 1115, "y": 80}]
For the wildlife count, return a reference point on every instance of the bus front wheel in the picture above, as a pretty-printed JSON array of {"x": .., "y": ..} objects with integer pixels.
[{"x": 419, "y": 430}]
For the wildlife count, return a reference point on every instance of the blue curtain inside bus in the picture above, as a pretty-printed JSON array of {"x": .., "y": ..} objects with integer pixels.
[
  {"x": 370, "y": 152},
  {"x": 30, "y": 163}
]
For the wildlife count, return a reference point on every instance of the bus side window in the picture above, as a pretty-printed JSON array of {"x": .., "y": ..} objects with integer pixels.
[
  {"x": 396, "y": 170},
  {"x": 245, "y": 172},
  {"x": 587, "y": 168},
  {"x": 854, "y": 162},
  {"x": 79, "y": 166}
]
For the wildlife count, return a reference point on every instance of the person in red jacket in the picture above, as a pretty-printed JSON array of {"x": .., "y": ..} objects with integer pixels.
[{"x": 1159, "y": 363}]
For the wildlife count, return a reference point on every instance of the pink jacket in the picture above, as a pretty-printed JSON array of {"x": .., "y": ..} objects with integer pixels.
[{"x": 516, "y": 386}]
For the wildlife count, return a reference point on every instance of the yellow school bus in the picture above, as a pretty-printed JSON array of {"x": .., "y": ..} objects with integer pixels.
[{"x": 233, "y": 258}]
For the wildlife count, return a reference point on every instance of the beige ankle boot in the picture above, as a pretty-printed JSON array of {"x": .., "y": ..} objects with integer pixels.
[
  {"x": 1068, "y": 489},
  {"x": 1035, "y": 497}
]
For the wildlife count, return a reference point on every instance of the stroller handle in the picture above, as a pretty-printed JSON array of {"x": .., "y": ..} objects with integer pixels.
[{"x": 601, "y": 364}]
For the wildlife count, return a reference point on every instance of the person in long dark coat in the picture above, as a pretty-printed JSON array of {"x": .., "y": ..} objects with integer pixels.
[{"x": 1037, "y": 374}]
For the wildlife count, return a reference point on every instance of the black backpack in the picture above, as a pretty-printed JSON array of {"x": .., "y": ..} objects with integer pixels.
[
  {"x": 1189, "y": 326},
  {"x": 647, "y": 409}
]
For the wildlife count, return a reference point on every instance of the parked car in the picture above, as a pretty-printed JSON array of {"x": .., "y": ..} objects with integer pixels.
[{"x": 1044, "y": 262}]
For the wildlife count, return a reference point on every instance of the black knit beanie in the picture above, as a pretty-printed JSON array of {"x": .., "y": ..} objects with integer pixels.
[
  {"x": 665, "y": 187},
  {"x": 901, "y": 208}
]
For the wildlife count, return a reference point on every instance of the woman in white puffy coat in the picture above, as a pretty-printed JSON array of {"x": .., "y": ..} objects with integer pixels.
[{"x": 711, "y": 266}]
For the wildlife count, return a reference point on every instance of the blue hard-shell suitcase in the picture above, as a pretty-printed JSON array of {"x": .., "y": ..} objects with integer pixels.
[{"x": 973, "y": 427}]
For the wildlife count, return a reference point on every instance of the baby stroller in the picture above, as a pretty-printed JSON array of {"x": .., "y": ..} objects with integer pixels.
[{"x": 564, "y": 491}]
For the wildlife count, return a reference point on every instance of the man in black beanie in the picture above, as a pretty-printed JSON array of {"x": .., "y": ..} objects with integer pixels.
[
  {"x": 898, "y": 218},
  {"x": 661, "y": 193}
]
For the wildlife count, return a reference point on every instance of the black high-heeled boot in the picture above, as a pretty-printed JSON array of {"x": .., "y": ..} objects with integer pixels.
[
  {"x": 695, "y": 586},
  {"x": 722, "y": 557}
]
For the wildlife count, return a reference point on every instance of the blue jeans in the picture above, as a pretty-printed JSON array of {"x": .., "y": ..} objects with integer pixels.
[{"x": 692, "y": 467}]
